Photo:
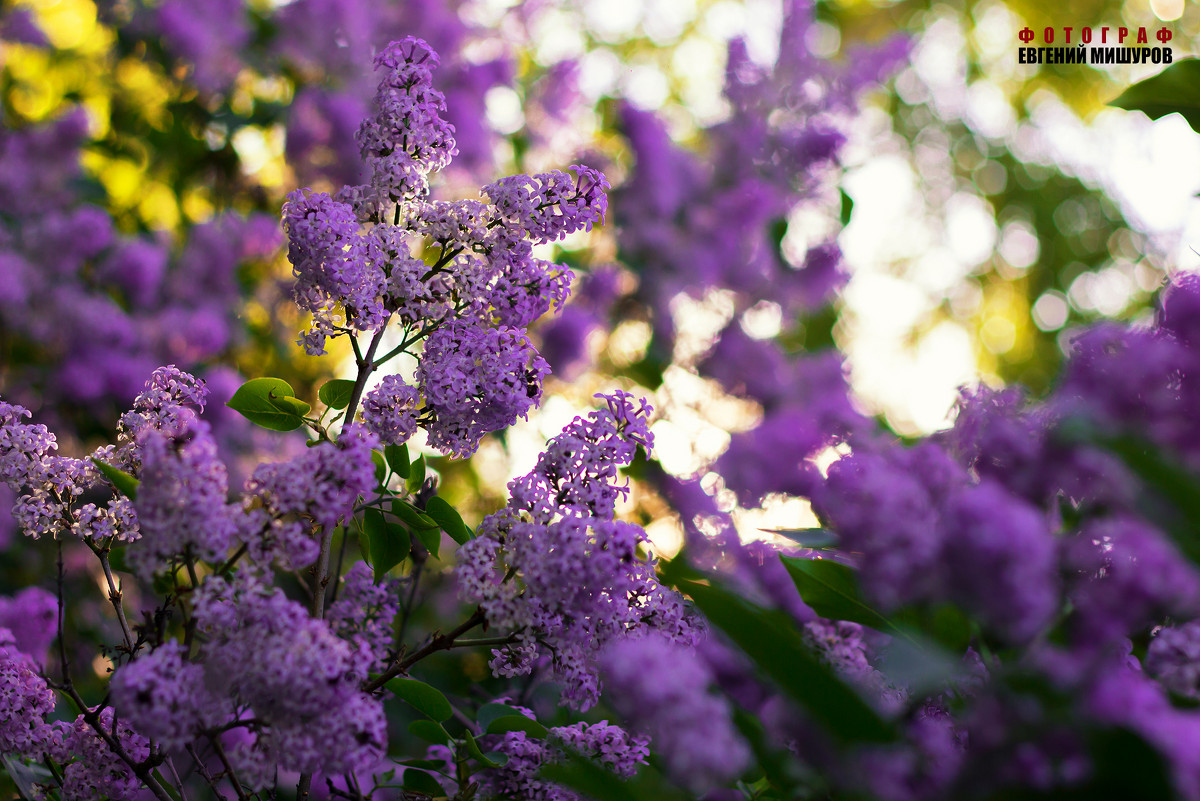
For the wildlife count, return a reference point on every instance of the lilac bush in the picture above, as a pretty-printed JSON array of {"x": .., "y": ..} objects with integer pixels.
[{"x": 1003, "y": 609}]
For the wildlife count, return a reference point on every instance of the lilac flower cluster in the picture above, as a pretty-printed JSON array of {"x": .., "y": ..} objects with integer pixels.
[
  {"x": 291, "y": 681},
  {"x": 692, "y": 730},
  {"x": 284, "y": 501},
  {"x": 609, "y": 745},
  {"x": 554, "y": 567},
  {"x": 471, "y": 293}
]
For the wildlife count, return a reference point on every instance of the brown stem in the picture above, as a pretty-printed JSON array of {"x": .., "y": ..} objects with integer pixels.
[
  {"x": 233, "y": 779},
  {"x": 439, "y": 642},
  {"x": 366, "y": 366},
  {"x": 114, "y": 595}
]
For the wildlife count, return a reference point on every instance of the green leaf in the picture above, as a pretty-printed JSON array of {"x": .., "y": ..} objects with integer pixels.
[
  {"x": 380, "y": 467},
  {"x": 422, "y": 783},
  {"x": 397, "y": 459},
  {"x": 920, "y": 665},
  {"x": 489, "y": 712},
  {"x": 429, "y": 730},
  {"x": 387, "y": 543},
  {"x": 431, "y": 538},
  {"x": 291, "y": 405},
  {"x": 416, "y": 474},
  {"x": 769, "y": 758},
  {"x": 1175, "y": 90},
  {"x": 473, "y": 750},
  {"x": 770, "y": 638},
  {"x": 815, "y": 538},
  {"x": 126, "y": 484},
  {"x": 426, "y": 698},
  {"x": 517, "y": 722},
  {"x": 832, "y": 590},
  {"x": 449, "y": 519},
  {"x": 412, "y": 515},
  {"x": 259, "y": 401},
  {"x": 336, "y": 393},
  {"x": 847, "y": 208}
]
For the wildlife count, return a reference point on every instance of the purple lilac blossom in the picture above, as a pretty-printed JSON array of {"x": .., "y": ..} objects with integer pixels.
[
  {"x": 284, "y": 501},
  {"x": 518, "y": 778},
  {"x": 27, "y": 701},
  {"x": 167, "y": 698},
  {"x": 97, "y": 772},
  {"x": 1000, "y": 561},
  {"x": 475, "y": 380},
  {"x": 690, "y": 729},
  {"x": 1174, "y": 658},
  {"x": 883, "y": 507},
  {"x": 364, "y": 613},
  {"x": 31, "y": 617},
  {"x": 1125, "y": 577},
  {"x": 559, "y": 524},
  {"x": 390, "y": 410},
  {"x": 299, "y": 679},
  {"x": 181, "y": 506}
]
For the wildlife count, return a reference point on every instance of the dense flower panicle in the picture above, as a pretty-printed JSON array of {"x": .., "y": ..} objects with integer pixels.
[
  {"x": 576, "y": 473},
  {"x": 31, "y": 617},
  {"x": 1174, "y": 658},
  {"x": 364, "y": 612},
  {"x": 299, "y": 679},
  {"x": 167, "y": 698},
  {"x": 476, "y": 380},
  {"x": 181, "y": 504},
  {"x": 1000, "y": 561},
  {"x": 526, "y": 288},
  {"x": 518, "y": 778},
  {"x": 333, "y": 264},
  {"x": 283, "y": 500},
  {"x": 886, "y": 506},
  {"x": 390, "y": 410},
  {"x": 548, "y": 206},
  {"x": 27, "y": 701},
  {"x": 610, "y": 593},
  {"x": 22, "y": 446},
  {"x": 97, "y": 772},
  {"x": 691, "y": 729},
  {"x": 406, "y": 139},
  {"x": 1124, "y": 576},
  {"x": 581, "y": 581},
  {"x": 164, "y": 404},
  {"x": 1126, "y": 378}
]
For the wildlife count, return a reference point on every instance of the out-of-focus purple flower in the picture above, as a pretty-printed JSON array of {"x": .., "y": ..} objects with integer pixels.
[
  {"x": 1174, "y": 658},
  {"x": 999, "y": 560},
  {"x": 1127, "y": 577},
  {"x": 181, "y": 504},
  {"x": 167, "y": 697},
  {"x": 27, "y": 701},
  {"x": 32, "y": 618},
  {"x": 690, "y": 728},
  {"x": 284, "y": 500},
  {"x": 209, "y": 35}
]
